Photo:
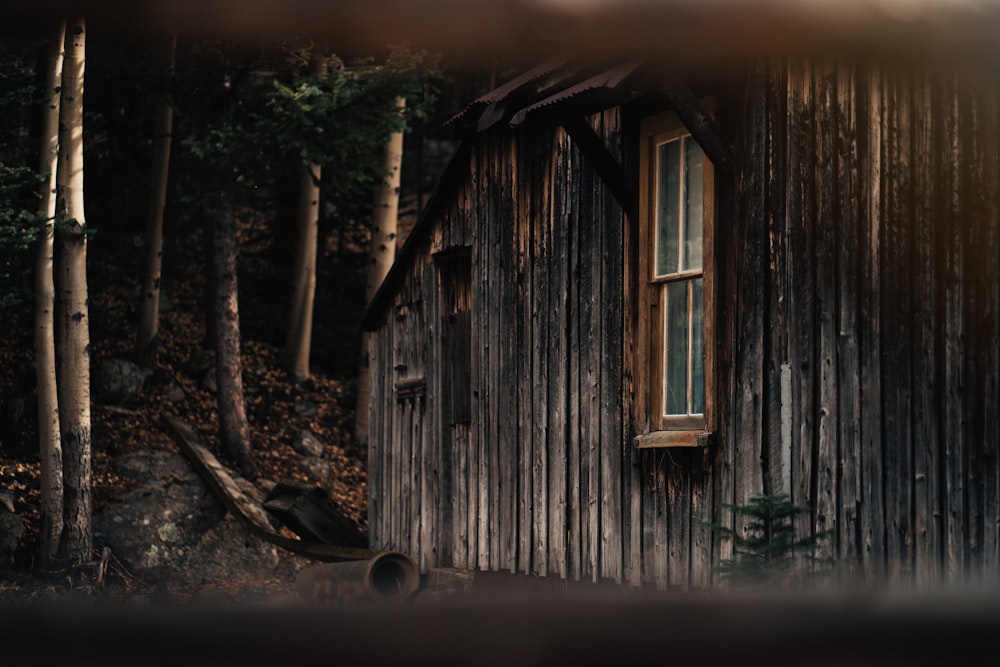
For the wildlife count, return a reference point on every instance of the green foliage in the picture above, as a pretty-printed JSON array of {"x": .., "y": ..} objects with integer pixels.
[
  {"x": 769, "y": 552},
  {"x": 19, "y": 183},
  {"x": 18, "y": 219},
  {"x": 265, "y": 114}
]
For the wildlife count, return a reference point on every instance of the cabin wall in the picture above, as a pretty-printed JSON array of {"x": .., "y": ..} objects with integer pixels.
[
  {"x": 880, "y": 233},
  {"x": 533, "y": 483},
  {"x": 857, "y": 350}
]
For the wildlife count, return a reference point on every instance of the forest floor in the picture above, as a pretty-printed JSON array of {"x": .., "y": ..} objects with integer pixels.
[{"x": 277, "y": 410}]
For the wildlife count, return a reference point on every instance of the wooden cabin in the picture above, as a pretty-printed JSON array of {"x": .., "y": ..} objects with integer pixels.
[{"x": 640, "y": 295}]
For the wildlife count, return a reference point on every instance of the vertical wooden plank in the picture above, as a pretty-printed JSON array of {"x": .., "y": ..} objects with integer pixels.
[
  {"x": 373, "y": 476},
  {"x": 586, "y": 330},
  {"x": 487, "y": 332},
  {"x": 580, "y": 241},
  {"x": 438, "y": 410},
  {"x": 610, "y": 345},
  {"x": 540, "y": 356},
  {"x": 801, "y": 211},
  {"x": 950, "y": 222},
  {"x": 506, "y": 456},
  {"x": 827, "y": 206},
  {"x": 498, "y": 231},
  {"x": 524, "y": 199},
  {"x": 416, "y": 474},
  {"x": 974, "y": 130},
  {"x": 971, "y": 390},
  {"x": 633, "y": 491},
  {"x": 557, "y": 446},
  {"x": 473, "y": 216},
  {"x": 748, "y": 427},
  {"x": 659, "y": 558},
  {"x": 437, "y": 457},
  {"x": 376, "y": 439},
  {"x": 988, "y": 159},
  {"x": 926, "y": 494},
  {"x": 848, "y": 370},
  {"x": 462, "y": 446},
  {"x": 678, "y": 498},
  {"x": 896, "y": 420},
  {"x": 872, "y": 525},
  {"x": 478, "y": 480},
  {"x": 776, "y": 287},
  {"x": 728, "y": 247}
]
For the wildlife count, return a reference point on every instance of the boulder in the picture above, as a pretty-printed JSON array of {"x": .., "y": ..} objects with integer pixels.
[
  {"x": 200, "y": 362},
  {"x": 172, "y": 528},
  {"x": 117, "y": 381},
  {"x": 319, "y": 469},
  {"x": 308, "y": 444}
]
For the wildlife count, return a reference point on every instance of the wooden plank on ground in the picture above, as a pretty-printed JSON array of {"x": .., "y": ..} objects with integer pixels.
[{"x": 252, "y": 514}]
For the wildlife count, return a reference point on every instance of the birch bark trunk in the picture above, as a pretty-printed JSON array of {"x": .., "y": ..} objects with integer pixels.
[
  {"x": 49, "y": 440},
  {"x": 74, "y": 320},
  {"x": 149, "y": 319},
  {"x": 382, "y": 254},
  {"x": 300, "y": 314},
  {"x": 234, "y": 430}
]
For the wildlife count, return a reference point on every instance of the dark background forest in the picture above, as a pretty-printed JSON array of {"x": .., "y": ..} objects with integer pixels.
[{"x": 245, "y": 118}]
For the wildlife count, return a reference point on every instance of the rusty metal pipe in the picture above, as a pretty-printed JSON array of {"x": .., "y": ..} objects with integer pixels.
[{"x": 387, "y": 576}]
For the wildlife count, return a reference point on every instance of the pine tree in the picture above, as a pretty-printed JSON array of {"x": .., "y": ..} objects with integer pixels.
[{"x": 769, "y": 552}]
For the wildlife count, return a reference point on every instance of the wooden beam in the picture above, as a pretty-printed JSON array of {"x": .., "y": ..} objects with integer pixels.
[
  {"x": 248, "y": 511},
  {"x": 699, "y": 122},
  {"x": 604, "y": 163}
]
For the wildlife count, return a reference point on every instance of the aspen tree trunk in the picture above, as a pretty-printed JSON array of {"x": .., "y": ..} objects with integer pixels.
[
  {"x": 50, "y": 444},
  {"x": 74, "y": 358},
  {"x": 386, "y": 215},
  {"x": 300, "y": 314},
  {"x": 149, "y": 318},
  {"x": 381, "y": 257},
  {"x": 234, "y": 431}
]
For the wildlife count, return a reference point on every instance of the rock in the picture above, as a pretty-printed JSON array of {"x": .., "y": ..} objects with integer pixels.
[
  {"x": 304, "y": 408},
  {"x": 308, "y": 444},
  {"x": 318, "y": 468},
  {"x": 265, "y": 485},
  {"x": 175, "y": 394},
  {"x": 200, "y": 362},
  {"x": 117, "y": 381},
  {"x": 11, "y": 532},
  {"x": 209, "y": 383},
  {"x": 171, "y": 527}
]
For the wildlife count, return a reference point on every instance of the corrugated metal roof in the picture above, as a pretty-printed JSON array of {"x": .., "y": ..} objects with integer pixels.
[
  {"x": 500, "y": 93},
  {"x": 607, "y": 81},
  {"x": 548, "y": 85}
]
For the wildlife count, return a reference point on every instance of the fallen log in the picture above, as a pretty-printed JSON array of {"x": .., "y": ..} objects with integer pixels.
[{"x": 251, "y": 513}]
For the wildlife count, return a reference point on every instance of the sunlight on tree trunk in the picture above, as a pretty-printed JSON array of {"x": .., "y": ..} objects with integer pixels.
[
  {"x": 50, "y": 444},
  {"x": 234, "y": 431},
  {"x": 386, "y": 214},
  {"x": 74, "y": 358},
  {"x": 149, "y": 319},
  {"x": 300, "y": 313},
  {"x": 381, "y": 257}
]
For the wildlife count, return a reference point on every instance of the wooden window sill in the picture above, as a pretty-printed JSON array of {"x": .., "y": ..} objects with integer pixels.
[{"x": 660, "y": 439}]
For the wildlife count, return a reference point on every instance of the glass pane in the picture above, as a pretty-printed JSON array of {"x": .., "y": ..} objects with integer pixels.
[
  {"x": 667, "y": 205},
  {"x": 697, "y": 348},
  {"x": 693, "y": 204},
  {"x": 675, "y": 349}
]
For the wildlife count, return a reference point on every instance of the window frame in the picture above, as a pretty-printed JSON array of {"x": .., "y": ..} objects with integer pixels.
[{"x": 655, "y": 428}]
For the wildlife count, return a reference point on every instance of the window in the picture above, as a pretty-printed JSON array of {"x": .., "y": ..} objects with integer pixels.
[{"x": 675, "y": 284}]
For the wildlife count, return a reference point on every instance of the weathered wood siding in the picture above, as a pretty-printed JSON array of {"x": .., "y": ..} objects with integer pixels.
[{"x": 858, "y": 347}]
